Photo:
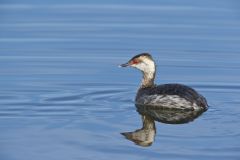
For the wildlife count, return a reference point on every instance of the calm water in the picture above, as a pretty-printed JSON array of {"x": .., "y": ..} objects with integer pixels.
[{"x": 63, "y": 97}]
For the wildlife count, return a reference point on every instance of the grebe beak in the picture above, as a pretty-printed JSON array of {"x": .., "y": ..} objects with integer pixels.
[{"x": 124, "y": 65}]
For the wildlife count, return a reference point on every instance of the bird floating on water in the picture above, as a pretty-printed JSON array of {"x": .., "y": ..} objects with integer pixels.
[{"x": 172, "y": 96}]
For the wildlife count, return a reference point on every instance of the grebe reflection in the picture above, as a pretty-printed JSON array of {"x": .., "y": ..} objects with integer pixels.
[{"x": 145, "y": 136}]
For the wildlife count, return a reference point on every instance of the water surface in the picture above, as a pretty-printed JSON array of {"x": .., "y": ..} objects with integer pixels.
[{"x": 63, "y": 97}]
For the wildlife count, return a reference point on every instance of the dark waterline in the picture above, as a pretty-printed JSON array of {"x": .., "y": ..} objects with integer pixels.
[{"x": 63, "y": 97}]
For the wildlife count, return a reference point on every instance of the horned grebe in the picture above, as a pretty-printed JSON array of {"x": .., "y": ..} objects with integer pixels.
[{"x": 176, "y": 96}]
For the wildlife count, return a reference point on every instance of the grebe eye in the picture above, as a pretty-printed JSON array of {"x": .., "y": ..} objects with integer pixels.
[{"x": 135, "y": 61}]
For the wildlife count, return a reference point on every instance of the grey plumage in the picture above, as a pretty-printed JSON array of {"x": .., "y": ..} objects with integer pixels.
[{"x": 158, "y": 95}]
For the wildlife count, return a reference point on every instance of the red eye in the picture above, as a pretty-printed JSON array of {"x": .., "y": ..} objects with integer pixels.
[{"x": 135, "y": 61}]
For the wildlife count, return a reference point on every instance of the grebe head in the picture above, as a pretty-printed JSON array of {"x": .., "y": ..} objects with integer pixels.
[{"x": 145, "y": 63}]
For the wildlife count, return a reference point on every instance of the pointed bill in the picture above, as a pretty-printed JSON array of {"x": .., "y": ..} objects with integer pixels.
[{"x": 124, "y": 65}]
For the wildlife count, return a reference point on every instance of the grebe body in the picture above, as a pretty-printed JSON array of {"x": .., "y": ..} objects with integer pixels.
[{"x": 173, "y": 96}]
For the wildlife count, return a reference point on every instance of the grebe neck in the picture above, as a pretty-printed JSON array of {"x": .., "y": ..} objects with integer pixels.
[{"x": 148, "y": 79}]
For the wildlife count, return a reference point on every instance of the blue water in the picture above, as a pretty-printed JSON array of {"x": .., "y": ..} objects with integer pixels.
[{"x": 63, "y": 97}]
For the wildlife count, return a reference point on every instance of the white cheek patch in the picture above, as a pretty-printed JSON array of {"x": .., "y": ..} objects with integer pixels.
[
  {"x": 146, "y": 66},
  {"x": 139, "y": 66}
]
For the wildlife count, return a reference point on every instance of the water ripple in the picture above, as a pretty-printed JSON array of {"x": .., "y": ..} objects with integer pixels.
[{"x": 90, "y": 99}]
